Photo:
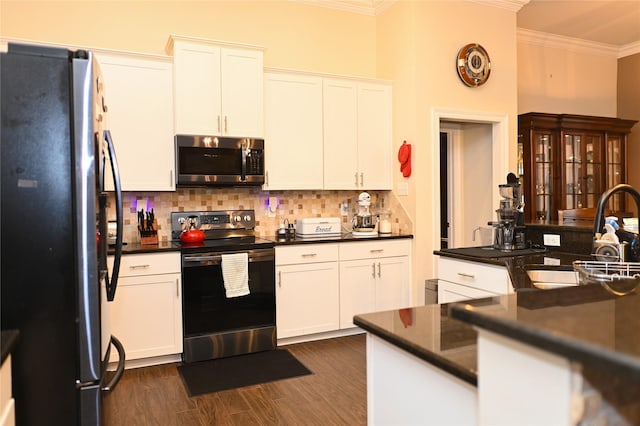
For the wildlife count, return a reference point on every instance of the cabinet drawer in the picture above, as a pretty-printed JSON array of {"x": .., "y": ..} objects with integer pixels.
[
  {"x": 374, "y": 249},
  {"x": 148, "y": 264},
  {"x": 306, "y": 253},
  {"x": 491, "y": 278}
]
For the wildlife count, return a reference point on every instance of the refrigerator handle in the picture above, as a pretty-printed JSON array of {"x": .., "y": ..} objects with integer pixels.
[
  {"x": 113, "y": 283},
  {"x": 120, "y": 370}
]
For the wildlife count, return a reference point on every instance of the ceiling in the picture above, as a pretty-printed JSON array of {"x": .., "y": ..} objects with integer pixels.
[{"x": 612, "y": 22}]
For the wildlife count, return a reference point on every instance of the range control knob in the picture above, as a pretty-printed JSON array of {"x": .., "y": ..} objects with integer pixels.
[
  {"x": 247, "y": 218},
  {"x": 237, "y": 219}
]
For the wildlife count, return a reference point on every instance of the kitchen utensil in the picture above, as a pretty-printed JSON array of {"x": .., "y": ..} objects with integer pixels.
[
  {"x": 364, "y": 223},
  {"x": 192, "y": 236}
]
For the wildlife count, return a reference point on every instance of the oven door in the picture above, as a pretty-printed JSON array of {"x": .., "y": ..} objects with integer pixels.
[{"x": 215, "y": 326}]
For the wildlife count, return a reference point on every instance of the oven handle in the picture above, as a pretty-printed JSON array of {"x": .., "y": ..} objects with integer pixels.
[{"x": 214, "y": 259}]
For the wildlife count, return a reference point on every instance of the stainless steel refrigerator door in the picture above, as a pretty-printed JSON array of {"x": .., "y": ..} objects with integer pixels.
[{"x": 88, "y": 291}]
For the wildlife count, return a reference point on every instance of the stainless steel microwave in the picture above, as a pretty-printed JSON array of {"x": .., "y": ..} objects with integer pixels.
[{"x": 218, "y": 161}]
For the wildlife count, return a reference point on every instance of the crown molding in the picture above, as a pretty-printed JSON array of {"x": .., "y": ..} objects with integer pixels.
[
  {"x": 629, "y": 49},
  {"x": 566, "y": 43},
  {"x": 512, "y": 5}
]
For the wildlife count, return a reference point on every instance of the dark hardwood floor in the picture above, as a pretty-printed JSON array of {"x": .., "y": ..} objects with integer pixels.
[{"x": 335, "y": 394}]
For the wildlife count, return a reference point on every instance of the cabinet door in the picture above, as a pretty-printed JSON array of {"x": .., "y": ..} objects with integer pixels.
[
  {"x": 307, "y": 299},
  {"x": 140, "y": 117},
  {"x": 615, "y": 169},
  {"x": 543, "y": 175},
  {"x": 357, "y": 289},
  {"x": 392, "y": 283},
  {"x": 340, "y": 103},
  {"x": 242, "y": 93},
  {"x": 582, "y": 173},
  {"x": 293, "y": 131},
  {"x": 197, "y": 88},
  {"x": 146, "y": 315},
  {"x": 374, "y": 136}
]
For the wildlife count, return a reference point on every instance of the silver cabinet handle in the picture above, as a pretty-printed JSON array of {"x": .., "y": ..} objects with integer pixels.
[
  {"x": 170, "y": 177},
  {"x": 361, "y": 179},
  {"x": 462, "y": 274},
  {"x": 225, "y": 124},
  {"x": 177, "y": 287},
  {"x": 139, "y": 266},
  {"x": 356, "y": 175},
  {"x": 373, "y": 269},
  {"x": 280, "y": 279},
  {"x": 376, "y": 251},
  {"x": 266, "y": 178},
  {"x": 378, "y": 269},
  {"x": 309, "y": 255},
  {"x": 219, "y": 123}
]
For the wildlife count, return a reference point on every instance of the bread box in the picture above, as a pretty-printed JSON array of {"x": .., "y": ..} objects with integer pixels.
[{"x": 318, "y": 227}]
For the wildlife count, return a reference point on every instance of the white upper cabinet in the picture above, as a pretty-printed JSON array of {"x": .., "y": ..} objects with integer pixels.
[
  {"x": 140, "y": 116},
  {"x": 293, "y": 131},
  {"x": 218, "y": 89},
  {"x": 375, "y": 158},
  {"x": 357, "y": 135},
  {"x": 340, "y": 110}
]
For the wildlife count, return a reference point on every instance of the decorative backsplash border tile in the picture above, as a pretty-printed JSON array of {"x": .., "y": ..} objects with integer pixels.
[{"x": 291, "y": 205}]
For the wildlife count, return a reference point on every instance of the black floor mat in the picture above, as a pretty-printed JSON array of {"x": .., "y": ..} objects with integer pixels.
[{"x": 239, "y": 371}]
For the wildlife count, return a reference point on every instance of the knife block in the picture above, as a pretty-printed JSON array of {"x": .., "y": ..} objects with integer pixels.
[{"x": 149, "y": 236}]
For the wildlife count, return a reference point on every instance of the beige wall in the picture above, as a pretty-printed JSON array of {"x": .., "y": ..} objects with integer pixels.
[
  {"x": 417, "y": 46},
  {"x": 294, "y": 35},
  {"x": 629, "y": 108},
  {"x": 568, "y": 81}
]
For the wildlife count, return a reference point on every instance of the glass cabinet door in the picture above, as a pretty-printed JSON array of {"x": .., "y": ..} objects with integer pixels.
[
  {"x": 582, "y": 170},
  {"x": 543, "y": 175},
  {"x": 615, "y": 170}
]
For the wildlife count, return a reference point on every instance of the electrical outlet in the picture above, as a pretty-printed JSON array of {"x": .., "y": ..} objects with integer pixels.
[{"x": 551, "y": 240}]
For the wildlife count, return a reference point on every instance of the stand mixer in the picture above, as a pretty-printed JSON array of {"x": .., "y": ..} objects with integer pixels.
[
  {"x": 364, "y": 223},
  {"x": 508, "y": 230}
]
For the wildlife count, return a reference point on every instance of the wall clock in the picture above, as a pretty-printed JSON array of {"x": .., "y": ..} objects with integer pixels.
[{"x": 473, "y": 65}]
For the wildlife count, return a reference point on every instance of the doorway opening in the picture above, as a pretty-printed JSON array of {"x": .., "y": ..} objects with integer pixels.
[{"x": 473, "y": 153}]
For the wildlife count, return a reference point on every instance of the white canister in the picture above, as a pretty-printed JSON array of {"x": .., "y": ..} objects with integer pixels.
[{"x": 384, "y": 225}]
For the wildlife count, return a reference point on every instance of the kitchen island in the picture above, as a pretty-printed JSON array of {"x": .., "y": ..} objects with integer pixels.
[{"x": 574, "y": 351}]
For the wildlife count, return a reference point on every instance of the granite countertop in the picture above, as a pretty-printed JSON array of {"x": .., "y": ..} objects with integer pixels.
[
  {"x": 135, "y": 248},
  {"x": 585, "y": 323},
  {"x": 429, "y": 333}
]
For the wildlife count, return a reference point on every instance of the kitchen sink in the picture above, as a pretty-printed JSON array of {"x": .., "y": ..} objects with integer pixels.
[{"x": 547, "y": 279}]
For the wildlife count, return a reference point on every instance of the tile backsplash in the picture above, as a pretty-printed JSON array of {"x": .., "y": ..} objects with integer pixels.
[{"x": 291, "y": 205}]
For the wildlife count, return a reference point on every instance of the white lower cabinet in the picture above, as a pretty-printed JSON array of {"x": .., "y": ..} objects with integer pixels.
[
  {"x": 306, "y": 289},
  {"x": 374, "y": 276},
  {"x": 462, "y": 280},
  {"x": 320, "y": 287},
  {"x": 146, "y": 314}
]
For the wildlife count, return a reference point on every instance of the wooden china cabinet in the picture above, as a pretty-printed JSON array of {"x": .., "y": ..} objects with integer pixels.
[{"x": 568, "y": 161}]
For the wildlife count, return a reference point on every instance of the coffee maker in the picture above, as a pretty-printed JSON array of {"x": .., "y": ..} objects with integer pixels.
[
  {"x": 509, "y": 228},
  {"x": 364, "y": 223}
]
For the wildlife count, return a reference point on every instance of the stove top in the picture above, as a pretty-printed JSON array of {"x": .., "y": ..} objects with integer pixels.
[
  {"x": 227, "y": 244},
  {"x": 225, "y": 230}
]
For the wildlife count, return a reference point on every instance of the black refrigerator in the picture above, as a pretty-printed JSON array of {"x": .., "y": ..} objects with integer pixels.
[{"x": 56, "y": 286}]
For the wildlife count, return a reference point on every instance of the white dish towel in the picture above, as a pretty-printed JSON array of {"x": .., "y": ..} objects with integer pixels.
[{"x": 235, "y": 272}]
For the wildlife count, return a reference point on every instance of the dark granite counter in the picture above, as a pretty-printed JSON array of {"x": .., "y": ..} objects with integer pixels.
[
  {"x": 586, "y": 324},
  {"x": 342, "y": 238},
  {"x": 429, "y": 333},
  {"x": 135, "y": 248},
  {"x": 8, "y": 341}
]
